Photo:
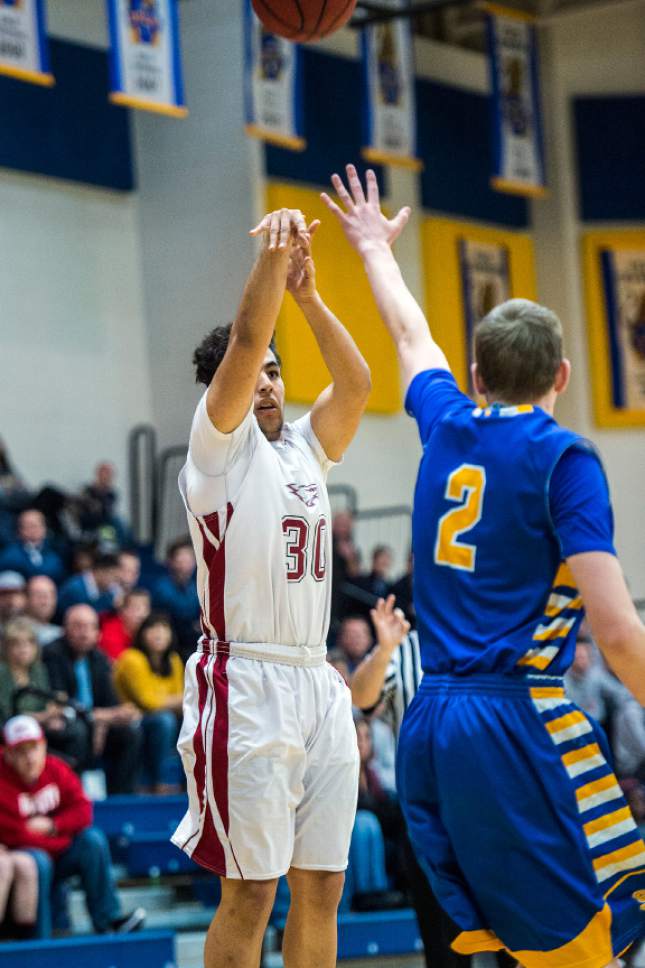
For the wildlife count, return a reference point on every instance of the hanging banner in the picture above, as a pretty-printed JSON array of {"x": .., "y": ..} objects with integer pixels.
[
  {"x": 623, "y": 274},
  {"x": 272, "y": 85},
  {"x": 24, "y": 50},
  {"x": 145, "y": 61},
  {"x": 518, "y": 144},
  {"x": 390, "y": 106},
  {"x": 485, "y": 282}
]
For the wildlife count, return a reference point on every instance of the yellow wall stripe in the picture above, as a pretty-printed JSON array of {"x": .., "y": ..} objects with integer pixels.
[{"x": 344, "y": 287}]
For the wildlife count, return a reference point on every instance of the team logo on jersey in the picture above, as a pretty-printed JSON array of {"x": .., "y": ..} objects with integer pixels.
[{"x": 307, "y": 493}]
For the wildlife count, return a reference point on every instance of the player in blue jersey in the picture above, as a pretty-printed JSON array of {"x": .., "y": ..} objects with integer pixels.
[{"x": 509, "y": 796}]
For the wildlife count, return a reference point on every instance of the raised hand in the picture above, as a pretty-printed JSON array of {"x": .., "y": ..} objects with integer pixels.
[
  {"x": 361, "y": 217},
  {"x": 390, "y": 624},
  {"x": 281, "y": 228},
  {"x": 301, "y": 276}
]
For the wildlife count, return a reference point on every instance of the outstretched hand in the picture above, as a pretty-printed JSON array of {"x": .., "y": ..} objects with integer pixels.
[
  {"x": 390, "y": 624},
  {"x": 281, "y": 228},
  {"x": 301, "y": 276},
  {"x": 362, "y": 220}
]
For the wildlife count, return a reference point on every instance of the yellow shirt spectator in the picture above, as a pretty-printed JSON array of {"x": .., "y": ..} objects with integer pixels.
[{"x": 136, "y": 682}]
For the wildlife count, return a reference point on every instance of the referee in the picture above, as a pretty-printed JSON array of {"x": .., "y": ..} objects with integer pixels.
[{"x": 390, "y": 675}]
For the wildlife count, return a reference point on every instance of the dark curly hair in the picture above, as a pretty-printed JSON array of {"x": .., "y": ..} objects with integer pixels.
[{"x": 211, "y": 351}]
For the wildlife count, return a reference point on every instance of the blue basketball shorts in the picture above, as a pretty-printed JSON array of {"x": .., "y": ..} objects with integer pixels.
[{"x": 519, "y": 822}]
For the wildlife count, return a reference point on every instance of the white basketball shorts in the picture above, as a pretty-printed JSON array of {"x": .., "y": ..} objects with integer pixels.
[{"x": 271, "y": 761}]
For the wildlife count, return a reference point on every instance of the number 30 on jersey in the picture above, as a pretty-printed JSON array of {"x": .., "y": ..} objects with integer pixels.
[
  {"x": 305, "y": 544},
  {"x": 466, "y": 485}
]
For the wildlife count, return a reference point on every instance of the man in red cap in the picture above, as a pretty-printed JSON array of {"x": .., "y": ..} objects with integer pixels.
[{"x": 43, "y": 808}]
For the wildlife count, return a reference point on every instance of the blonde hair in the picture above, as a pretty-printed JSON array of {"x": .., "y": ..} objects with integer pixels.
[{"x": 18, "y": 628}]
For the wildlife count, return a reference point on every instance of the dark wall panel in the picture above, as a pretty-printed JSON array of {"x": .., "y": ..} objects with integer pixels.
[
  {"x": 610, "y": 138},
  {"x": 70, "y": 131}
]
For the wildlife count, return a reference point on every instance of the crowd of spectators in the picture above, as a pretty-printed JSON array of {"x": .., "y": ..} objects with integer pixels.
[{"x": 94, "y": 634}]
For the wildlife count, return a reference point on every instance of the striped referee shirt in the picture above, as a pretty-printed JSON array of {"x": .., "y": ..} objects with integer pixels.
[{"x": 402, "y": 680}]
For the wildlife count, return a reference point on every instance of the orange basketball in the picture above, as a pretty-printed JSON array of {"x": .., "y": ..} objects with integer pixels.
[{"x": 303, "y": 19}]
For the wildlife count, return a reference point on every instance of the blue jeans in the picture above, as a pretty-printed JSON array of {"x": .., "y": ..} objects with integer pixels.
[
  {"x": 88, "y": 856},
  {"x": 160, "y": 731},
  {"x": 366, "y": 872}
]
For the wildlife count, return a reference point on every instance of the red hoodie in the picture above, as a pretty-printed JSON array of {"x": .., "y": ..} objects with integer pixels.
[{"x": 57, "y": 794}]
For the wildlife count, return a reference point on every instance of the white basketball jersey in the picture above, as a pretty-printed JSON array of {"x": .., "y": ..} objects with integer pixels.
[{"x": 260, "y": 523}]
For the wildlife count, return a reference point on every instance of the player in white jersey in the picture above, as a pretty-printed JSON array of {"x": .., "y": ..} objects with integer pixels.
[{"x": 268, "y": 742}]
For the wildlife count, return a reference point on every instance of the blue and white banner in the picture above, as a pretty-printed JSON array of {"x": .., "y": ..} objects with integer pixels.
[
  {"x": 145, "y": 60},
  {"x": 272, "y": 85},
  {"x": 485, "y": 282},
  {"x": 390, "y": 105},
  {"x": 24, "y": 50},
  {"x": 623, "y": 274},
  {"x": 518, "y": 143}
]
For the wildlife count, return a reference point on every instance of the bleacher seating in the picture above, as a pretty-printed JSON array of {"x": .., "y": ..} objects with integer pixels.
[{"x": 100, "y": 951}]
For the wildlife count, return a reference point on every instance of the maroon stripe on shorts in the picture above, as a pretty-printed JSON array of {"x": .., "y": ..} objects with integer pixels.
[
  {"x": 208, "y": 852},
  {"x": 215, "y": 559}
]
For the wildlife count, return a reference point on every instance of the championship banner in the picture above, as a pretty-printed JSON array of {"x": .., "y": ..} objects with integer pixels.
[
  {"x": 272, "y": 85},
  {"x": 145, "y": 61},
  {"x": 390, "y": 104},
  {"x": 24, "y": 50},
  {"x": 485, "y": 282},
  {"x": 623, "y": 274},
  {"x": 519, "y": 166}
]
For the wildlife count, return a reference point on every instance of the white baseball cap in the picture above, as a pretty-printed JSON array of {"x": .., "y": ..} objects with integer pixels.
[{"x": 22, "y": 729}]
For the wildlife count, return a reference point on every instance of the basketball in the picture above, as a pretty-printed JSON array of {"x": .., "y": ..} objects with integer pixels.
[{"x": 303, "y": 20}]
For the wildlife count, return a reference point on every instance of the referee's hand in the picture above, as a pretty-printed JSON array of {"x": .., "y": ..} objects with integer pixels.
[{"x": 390, "y": 624}]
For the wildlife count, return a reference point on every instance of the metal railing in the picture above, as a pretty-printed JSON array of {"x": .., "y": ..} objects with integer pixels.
[
  {"x": 171, "y": 513},
  {"x": 391, "y": 526},
  {"x": 142, "y": 469}
]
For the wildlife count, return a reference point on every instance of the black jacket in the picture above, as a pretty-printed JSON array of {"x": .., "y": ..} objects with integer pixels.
[{"x": 59, "y": 660}]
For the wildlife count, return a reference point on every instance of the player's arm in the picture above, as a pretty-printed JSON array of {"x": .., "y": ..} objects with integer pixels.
[
  {"x": 614, "y": 621},
  {"x": 368, "y": 679},
  {"x": 372, "y": 234},
  {"x": 337, "y": 411},
  {"x": 580, "y": 509},
  {"x": 230, "y": 393}
]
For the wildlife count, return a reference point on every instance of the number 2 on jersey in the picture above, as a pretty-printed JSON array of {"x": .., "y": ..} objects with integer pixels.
[
  {"x": 296, "y": 531},
  {"x": 466, "y": 484}
]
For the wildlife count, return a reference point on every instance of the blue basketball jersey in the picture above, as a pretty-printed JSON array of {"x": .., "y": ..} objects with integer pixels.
[{"x": 492, "y": 591}]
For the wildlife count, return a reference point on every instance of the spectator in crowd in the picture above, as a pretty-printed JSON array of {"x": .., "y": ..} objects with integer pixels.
[
  {"x": 78, "y": 670},
  {"x": 83, "y": 555},
  {"x": 176, "y": 594},
  {"x": 635, "y": 796},
  {"x": 375, "y": 799},
  {"x": 31, "y": 554},
  {"x": 42, "y": 602},
  {"x": 151, "y": 676},
  {"x": 402, "y": 591},
  {"x": 18, "y": 893},
  {"x": 14, "y": 494},
  {"x": 12, "y": 597},
  {"x": 129, "y": 571},
  {"x": 21, "y": 667},
  {"x": 336, "y": 659},
  {"x": 354, "y": 639},
  {"x": 346, "y": 563},
  {"x": 98, "y": 507},
  {"x": 377, "y": 582},
  {"x": 591, "y": 686},
  {"x": 118, "y": 631},
  {"x": 629, "y": 739},
  {"x": 98, "y": 586},
  {"x": 43, "y": 808}
]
